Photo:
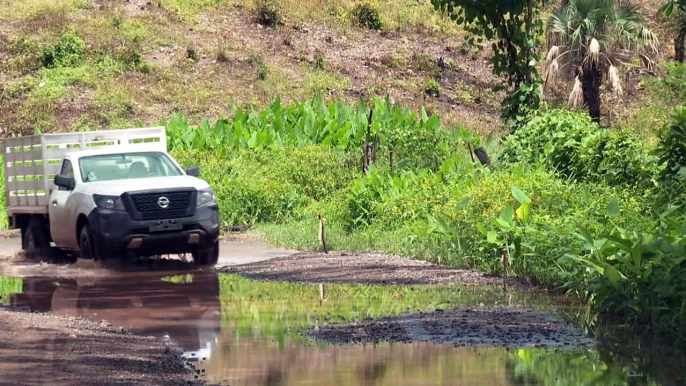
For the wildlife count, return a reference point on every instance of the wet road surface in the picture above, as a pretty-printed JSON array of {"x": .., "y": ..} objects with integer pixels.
[{"x": 238, "y": 331}]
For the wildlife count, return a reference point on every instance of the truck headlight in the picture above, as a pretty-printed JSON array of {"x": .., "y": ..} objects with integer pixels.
[
  {"x": 205, "y": 196},
  {"x": 108, "y": 202}
]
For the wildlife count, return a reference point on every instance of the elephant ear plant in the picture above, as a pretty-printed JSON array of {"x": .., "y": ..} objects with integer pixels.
[{"x": 509, "y": 228}]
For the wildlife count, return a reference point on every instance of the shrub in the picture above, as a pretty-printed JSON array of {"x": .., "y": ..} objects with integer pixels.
[
  {"x": 192, "y": 53},
  {"x": 267, "y": 13},
  {"x": 432, "y": 88},
  {"x": 130, "y": 55},
  {"x": 671, "y": 148},
  {"x": 319, "y": 60},
  {"x": 365, "y": 14},
  {"x": 67, "y": 52},
  {"x": 26, "y": 56},
  {"x": 576, "y": 147},
  {"x": 676, "y": 80}
]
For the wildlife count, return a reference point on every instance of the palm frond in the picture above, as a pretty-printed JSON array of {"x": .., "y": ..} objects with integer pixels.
[
  {"x": 648, "y": 38},
  {"x": 551, "y": 73},
  {"x": 576, "y": 97},
  {"x": 553, "y": 53},
  {"x": 592, "y": 54},
  {"x": 647, "y": 63},
  {"x": 613, "y": 76}
]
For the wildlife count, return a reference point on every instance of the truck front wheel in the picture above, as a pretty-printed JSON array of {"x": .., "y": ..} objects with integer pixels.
[
  {"x": 208, "y": 256},
  {"x": 86, "y": 243},
  {"x": 35, "y": 237}
]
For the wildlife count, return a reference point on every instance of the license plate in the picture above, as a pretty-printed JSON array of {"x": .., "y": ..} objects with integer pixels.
[{"x": 165, "y": 225}]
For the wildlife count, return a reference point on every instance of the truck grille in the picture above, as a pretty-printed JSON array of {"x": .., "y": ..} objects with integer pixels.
[
  {"x": 215, "y": 217},
  {"x": 149, "y": 209}
]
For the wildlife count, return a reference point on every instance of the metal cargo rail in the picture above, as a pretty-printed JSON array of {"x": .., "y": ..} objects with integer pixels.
[{"x": 31, "y": 162}]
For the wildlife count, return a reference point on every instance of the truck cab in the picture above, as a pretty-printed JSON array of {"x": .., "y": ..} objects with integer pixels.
[{"x": 123, "y": 198}]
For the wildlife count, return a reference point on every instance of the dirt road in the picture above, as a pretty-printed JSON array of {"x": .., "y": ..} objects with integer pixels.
[
  {"x": 86, "y": 312},
  {"x": 156, "y": 322}
]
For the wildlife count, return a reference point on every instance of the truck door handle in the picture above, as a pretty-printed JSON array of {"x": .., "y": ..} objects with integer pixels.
[{"x": 54, "y": 202}]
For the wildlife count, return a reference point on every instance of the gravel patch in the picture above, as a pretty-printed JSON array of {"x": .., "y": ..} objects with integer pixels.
[
  {"x": 48, "y": 349},
  {"x": 365, "y": 268},
  {"x": 473, "y": 327}
]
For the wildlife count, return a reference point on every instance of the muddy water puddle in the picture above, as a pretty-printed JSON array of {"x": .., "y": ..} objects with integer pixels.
[{"x": 237, "y": 331}]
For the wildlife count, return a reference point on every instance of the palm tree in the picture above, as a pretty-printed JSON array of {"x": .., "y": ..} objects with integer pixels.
[{"x": 592, "y": 38}]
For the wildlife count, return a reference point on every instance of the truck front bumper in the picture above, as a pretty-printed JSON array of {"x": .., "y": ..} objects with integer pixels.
[{"x": 116, "y": 233}]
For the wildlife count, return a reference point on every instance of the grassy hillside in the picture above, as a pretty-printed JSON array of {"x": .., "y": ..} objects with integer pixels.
[{"x": 143, "y": 60}]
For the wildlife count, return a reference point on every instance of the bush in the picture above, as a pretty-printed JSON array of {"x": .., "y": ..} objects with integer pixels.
[
  {"x": 67, "y": 52},
  {"x": 576, "y": 147},
  {"x": 432, "y": 88},
  {"x": 267, "y": 13},
  {"x": 366, "y": 15},
  {"x": 671, "y": 148}
]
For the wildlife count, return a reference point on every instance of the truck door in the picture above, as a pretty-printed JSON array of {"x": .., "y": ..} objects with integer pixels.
[{"x": 62, "y": 228}]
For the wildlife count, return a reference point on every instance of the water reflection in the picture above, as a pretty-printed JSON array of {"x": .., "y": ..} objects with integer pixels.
[
  {"x": 246, "y": 332},
  {"x": 185, "y": 307}
]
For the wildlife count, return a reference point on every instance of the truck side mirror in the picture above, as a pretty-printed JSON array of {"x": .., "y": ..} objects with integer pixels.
[
  {"x": 64, "y": 182},
  {"x": 193, "y": 171}
]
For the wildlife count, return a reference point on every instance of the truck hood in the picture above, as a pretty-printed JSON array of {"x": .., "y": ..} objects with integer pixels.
[{"x": 119, "y": 187}]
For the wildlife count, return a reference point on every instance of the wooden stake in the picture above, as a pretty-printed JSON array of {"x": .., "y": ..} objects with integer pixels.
[
  {"x": 322, "y": 294},
  {"x": 322, "y": 235},
  {"x": 505, "y": 264},
  {"x": 471, "y": 151}
]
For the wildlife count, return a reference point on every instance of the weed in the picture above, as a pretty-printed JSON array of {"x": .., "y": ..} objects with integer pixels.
[
  {"x": 432, "y": 88},
  {"x": 191, "y": 53},
  {"x": 393, "y": 61},
  {"x": 425, "y": 63},
  {"x": 367, "y": 15},
  {"x": 67, "y": 52},
  {"x": 222, "y": 54},
  {"x": 319, "y": 60},
  {"x": 262, "y": 72}
]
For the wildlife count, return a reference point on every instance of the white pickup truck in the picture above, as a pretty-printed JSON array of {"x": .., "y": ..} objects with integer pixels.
[{"x": 108, "y": 193}]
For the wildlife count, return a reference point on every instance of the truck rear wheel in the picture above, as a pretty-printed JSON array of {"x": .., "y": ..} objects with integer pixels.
[
  {"x": 35, "y": 237},
  {"x": 208, "y": 256}
]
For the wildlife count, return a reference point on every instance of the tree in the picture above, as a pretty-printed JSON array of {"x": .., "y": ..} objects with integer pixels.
[
  {"x": 592, "y": 38},
  {"x": 515, "y": 25},
  {"x": 680, "y": 38}
]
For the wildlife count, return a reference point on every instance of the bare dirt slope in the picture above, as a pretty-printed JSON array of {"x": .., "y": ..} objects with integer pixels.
[{"x": 47, "y": 349}]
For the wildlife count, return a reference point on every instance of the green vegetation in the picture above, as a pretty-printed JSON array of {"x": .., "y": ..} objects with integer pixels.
[
  {"x": 8, "y": 286},
  {"x": 594, "y": 211},
  {"x": 595, "y": 36},
  {"x": 366, "y": 15},
  {"x": 574, "y": 206},
  {"x": 515, "y": 29}
]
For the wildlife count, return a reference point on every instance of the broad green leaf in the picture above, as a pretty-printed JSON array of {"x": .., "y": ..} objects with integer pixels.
[
  {"x": 507, "y": 215},
  {"x": 482, "y": 229},
  {"x": 463, "y": 203},
  {"x": 613, "y": 275},
  {"x": 613, "y": 208},
  {"x": 523, "y": 212},
  {"x": 492, "y": 237}
]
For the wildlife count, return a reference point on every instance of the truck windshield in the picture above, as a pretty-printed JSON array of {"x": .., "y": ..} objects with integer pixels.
[{"x": 110, "y": 167}]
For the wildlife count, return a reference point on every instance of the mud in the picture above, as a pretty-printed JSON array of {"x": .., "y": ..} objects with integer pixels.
[
  {"x": 49, "y": 349},
  {"x": 474, "y": 327},
  {"x": 361, "y": 268}
]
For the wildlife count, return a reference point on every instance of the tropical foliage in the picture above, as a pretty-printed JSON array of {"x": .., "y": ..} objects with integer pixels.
[{"x": 590, "y": 39}]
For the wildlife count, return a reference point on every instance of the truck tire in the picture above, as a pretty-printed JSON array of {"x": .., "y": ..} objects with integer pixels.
[
  {"x": 207, "y": 257},
  {"x": 86, "y": 243},
  {"x": 35, "y": 237}
]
